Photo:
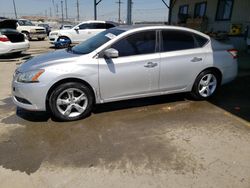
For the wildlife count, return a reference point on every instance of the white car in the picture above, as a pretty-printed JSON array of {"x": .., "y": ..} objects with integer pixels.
[
  {"x": 80, "y": 32},
  {"x": 11, "y": 41},
  {"x": 30, "y": 30}
]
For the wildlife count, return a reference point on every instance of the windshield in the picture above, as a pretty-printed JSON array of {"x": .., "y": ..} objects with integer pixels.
[
  {"x": 96, "y": 41},
  {"x": 25, "y": 23}
]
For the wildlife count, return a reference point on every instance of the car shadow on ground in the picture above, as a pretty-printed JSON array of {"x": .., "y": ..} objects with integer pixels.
[
  {"x": 235, "y": 97},
  {"x": 141, "y": 102},
  {"x": 14, "y": 57}
]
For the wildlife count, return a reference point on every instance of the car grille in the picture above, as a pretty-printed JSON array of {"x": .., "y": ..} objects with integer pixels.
[
  {"x": 40, "y": 31},
  {"x": 16, "y": 37}
]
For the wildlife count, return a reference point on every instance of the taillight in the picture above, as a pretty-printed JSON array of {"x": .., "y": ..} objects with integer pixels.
[
  {"x": 4, "y": 38},
  {"x": 234, "y": 53}
]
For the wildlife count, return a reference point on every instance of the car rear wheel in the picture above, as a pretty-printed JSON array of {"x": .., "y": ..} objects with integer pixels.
[
  {"x": 71, "y": 101},
  {"x": 205, "y": 85}
]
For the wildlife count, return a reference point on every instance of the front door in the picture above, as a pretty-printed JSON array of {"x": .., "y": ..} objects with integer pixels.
[{"x": 135, "y": 72}]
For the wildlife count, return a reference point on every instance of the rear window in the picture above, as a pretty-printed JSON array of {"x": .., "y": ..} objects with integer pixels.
[{"x": 201, "y": 41}]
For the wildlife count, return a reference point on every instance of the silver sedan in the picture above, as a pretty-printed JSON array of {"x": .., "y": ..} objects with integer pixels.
[{"x": 123, "y": 63}]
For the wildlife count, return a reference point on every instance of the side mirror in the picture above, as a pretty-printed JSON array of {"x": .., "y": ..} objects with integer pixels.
[
  {"x": 76, "y": 28},
  {"x": 111, "y": 53}
]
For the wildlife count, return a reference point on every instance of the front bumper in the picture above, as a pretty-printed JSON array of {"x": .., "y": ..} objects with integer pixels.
[
  {"x": 30, "y": 96},
  {"x": 53, "y": 39},
  {"x": 9, "y": 47},
  {"x": 38, "y": 35}
]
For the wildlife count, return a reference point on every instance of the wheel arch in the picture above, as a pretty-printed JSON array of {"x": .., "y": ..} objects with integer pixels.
[
  {"x": 66, "y": 80},
  {"x": 61, "y": 36},
  {"x": 214, "y": 69}
]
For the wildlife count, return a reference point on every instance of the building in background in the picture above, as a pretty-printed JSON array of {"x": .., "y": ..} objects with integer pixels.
[{"x": 222, "y": 18}]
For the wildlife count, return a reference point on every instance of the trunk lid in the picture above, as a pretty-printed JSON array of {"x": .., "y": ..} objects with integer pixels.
[{"x": 8, "y": 24}]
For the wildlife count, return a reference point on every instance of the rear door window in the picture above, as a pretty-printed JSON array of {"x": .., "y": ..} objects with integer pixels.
[{"x": 174, "y": 40}]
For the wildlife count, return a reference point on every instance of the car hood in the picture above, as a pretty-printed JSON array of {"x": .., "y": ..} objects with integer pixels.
[
  {"x": 39, "y": 62},
  {"x": 8, "y": 24}
]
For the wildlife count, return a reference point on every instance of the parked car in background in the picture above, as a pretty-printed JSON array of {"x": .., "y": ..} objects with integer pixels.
[
  {"x": 46, "y": 26},
  {"x": 30, "y": 30},
  {"x": 11, "y": 41},
  {"x": 62, "y": 27},
  {"x": 124, "y": 63},
  {"x": 80, "y": 32}
]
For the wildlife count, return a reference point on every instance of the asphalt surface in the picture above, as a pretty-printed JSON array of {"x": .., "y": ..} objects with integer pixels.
[{"x": 166, "y": 141}]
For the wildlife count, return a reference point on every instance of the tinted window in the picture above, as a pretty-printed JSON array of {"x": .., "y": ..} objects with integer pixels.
[
  {"x": 98, "y": 26},
  {"x": 94, "y": 42},
  {"x": 108, "y": 25},
  {"x": 136, "y": 44},
  {"x": 173, "y": 40},
  {"x": 84, "y": 26},
  {"x": 200, "y": 41}
]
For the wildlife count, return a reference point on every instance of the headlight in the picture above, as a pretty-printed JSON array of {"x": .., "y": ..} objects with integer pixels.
[
  {"x": 29, "y": 77},
  {"x": 33, "y": 31},
  {"x": 55, "y": 33}
]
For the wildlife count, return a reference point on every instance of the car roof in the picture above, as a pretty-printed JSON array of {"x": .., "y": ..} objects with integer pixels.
[{"x": 141, "y": 27}]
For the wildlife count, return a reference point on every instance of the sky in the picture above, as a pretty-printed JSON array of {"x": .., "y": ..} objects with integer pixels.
[{"x": 143, "y": 10}]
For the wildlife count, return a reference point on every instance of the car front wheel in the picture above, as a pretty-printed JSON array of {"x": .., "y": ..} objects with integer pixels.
[
  {"x": 71, "y": 101},
  {"x": 205, "y": 85}
]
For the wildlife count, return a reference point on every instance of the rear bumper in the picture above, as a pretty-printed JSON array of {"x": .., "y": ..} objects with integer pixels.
[
  {"x": 229, "y": 73},
  {"x": 9, "y": 47}
]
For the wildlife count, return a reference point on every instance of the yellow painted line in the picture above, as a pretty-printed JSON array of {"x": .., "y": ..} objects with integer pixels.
[{"x": 246, "y": 123}]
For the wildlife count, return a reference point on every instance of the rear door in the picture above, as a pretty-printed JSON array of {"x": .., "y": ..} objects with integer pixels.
[{"x": 182, "y": 58}]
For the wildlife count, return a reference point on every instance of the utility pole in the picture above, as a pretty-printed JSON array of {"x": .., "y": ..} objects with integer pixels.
[
  {"x": 77, "y": 6},
  {"x": 57, "y": 10},
  {"x": 62, "y": 10},
  {"x": 119, "y": 10},
  {"x": 50, "y": 12},
  {"x": 170, "y": 6},
  {"x": 129, "y": 12},
  {"x": 95, "y": 8},
  {"x": 14, "y": 4},
  {"x": 66, "y": 9}
]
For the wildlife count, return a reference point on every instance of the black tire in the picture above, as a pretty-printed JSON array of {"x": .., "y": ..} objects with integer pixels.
[
  {"x": 59, "y": 90},
  {"x": 64, "y": 39},
  {"x": 210, "y": 90}
]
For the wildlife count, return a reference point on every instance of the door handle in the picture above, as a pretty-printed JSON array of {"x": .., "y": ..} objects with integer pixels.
[
  {"x": 150, "y": 65},
  {"x": 196, "y": 59}
]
